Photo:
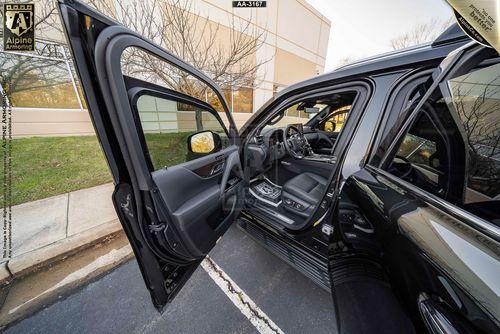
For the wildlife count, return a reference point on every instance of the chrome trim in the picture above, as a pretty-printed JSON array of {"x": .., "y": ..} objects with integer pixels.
[
  {"x": 435, "y": 321},
  {"x": 416, "y": 149},
  {"x": 366, "y": 230},
  {"x": 470, "y": 219},
  {"x": 274, "y": 184}
]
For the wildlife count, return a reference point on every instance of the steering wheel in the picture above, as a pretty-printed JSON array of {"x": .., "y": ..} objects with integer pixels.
[
  {"x": 401, "y": 166},
  {"x": 295, "y": 143},
  {"x": 322, "y": 136}
]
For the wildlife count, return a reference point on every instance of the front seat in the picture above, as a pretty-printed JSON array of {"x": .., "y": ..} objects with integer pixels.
[{"x": 303, "y": 192}]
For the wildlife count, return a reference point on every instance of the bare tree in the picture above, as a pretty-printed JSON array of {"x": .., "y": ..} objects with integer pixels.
[
  {"x": 230, "y": 60},
  {"x": 18, "y": 73},
  {"x": 421, "y": 33},
  {"x": 477, "y": 106},
  {"x": 176, "y": 26},
  {"x": 345, "y": 61}
]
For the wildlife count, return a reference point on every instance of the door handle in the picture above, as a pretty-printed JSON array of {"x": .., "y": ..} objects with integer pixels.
[{"x": 217, "y": 168}]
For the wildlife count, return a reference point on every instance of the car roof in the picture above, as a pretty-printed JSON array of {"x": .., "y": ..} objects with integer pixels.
[{"x": 449, "y": 40}]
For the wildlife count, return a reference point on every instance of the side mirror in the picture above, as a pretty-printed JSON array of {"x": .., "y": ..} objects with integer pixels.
[
  {"x": 330, "y": 126},
  {"x": 204, "y": 142}
]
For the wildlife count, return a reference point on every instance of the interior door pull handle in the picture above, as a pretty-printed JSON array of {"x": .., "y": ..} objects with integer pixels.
[{"x": 217, "y": 168}]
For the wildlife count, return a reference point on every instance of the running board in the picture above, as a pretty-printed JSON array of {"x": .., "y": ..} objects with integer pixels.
[{"x": 303, "y": 261}]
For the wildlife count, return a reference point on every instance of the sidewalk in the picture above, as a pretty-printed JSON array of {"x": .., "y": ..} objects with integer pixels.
[
  {"x": 30, "y": 293},
  {"x": 47, "y": 229}
]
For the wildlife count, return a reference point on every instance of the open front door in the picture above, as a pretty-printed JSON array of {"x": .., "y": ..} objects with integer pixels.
[{"x": 174, "y": 160}]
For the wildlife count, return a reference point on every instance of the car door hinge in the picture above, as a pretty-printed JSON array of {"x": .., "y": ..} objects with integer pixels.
[{"x": 125, "y": 206}]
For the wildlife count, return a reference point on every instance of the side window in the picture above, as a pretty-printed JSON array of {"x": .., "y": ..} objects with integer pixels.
[
  {"x": 452, "y": 149},
  {"x": 177, "y": 132},
  {"x": 182, "y": 118},
  {"x": 422, "y": 156},
  {"x": 400, "y": 103},
  {"x": 418, "y": 150},
  {"x": 475, "y": 99},
  {"x": 336, "y": 121}
]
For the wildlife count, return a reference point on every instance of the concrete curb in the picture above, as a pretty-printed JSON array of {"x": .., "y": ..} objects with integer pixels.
[
  {"x": 47, "y": 229},
  {"x": 32, "y": 261},
  {"x": 30, "y": 293}
]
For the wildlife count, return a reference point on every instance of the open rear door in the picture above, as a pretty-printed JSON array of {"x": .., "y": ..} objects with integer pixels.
[{"x": 174, "y": 160}]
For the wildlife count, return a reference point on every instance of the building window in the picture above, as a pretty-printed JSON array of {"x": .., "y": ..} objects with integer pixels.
[
  {"x": 37, "y": 82},
  {"x": 243, "y": 100}
]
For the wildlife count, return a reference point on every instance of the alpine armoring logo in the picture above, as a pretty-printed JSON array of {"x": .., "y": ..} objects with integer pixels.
[{"x": 19, "y": 30}]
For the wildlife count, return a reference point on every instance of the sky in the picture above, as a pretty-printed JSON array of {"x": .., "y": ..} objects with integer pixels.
[{"x": 363, "y": 28}]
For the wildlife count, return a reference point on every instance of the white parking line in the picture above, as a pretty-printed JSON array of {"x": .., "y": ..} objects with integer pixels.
[{"x": 240, "y": 299}]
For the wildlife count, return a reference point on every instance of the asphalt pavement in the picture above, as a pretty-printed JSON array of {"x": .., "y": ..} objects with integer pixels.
[{"x": 119, "y": 302}]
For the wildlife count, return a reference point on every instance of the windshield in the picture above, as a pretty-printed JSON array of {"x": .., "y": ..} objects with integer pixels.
[{"x": 295, "y": 116}]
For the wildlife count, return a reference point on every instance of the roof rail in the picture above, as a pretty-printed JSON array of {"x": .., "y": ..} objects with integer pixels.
[
  {"x": 452, "y": 34},
  {"x": 384, "y": 55}
]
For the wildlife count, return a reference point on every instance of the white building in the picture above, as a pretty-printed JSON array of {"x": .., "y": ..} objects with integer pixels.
[{"x": 296, "y": 44}]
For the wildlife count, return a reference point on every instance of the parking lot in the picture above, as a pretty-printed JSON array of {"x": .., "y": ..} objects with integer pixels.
[{"x": 281, "y": 300}]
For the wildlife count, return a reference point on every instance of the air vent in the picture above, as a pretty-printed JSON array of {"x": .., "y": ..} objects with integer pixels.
[{"x": 259, "y": 140}]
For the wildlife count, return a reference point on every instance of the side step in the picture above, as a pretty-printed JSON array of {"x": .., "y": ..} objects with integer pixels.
[{"x": 313, "y": 267}]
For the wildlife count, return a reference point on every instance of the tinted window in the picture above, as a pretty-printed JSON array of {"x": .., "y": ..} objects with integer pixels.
[
  {"x": 452, "y": 148},
  {"x": 168, "y": 124},
  {"x": 475, "y": 99},
  {"x": 184, "y": 124}
]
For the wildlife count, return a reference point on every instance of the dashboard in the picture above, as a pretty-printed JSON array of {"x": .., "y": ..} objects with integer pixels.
[{"x": 266, "y": 148}]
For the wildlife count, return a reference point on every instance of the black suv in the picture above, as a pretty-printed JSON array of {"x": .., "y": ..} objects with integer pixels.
[{"x": 380, "y": 181}]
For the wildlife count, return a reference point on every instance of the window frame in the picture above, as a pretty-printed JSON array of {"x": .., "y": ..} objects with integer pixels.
[
  {"x": 407, "y": 90},
  {"x": 141, "y": 88},
  {"x": 433, "y": 117},
  {"x": 460, "y": 61}
]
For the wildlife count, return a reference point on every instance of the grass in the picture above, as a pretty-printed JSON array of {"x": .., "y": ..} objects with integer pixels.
[
  {"x": 48, "y": 166},
  {"x": 167, "y": 149}
]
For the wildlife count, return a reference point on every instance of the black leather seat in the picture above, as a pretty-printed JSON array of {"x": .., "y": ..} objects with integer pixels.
[{"x": 301, "y": 194}]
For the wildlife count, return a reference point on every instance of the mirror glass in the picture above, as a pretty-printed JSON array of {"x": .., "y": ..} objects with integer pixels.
[
  {"x": 330, "y": 126},
  {"x": 202, "y": 142}
]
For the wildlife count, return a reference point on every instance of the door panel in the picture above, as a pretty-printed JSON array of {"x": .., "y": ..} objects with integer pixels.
[
  {"x": 439, "y": 247},
  {"x": 195, "y": 203},
  {"x": 174, "y": 196}
]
